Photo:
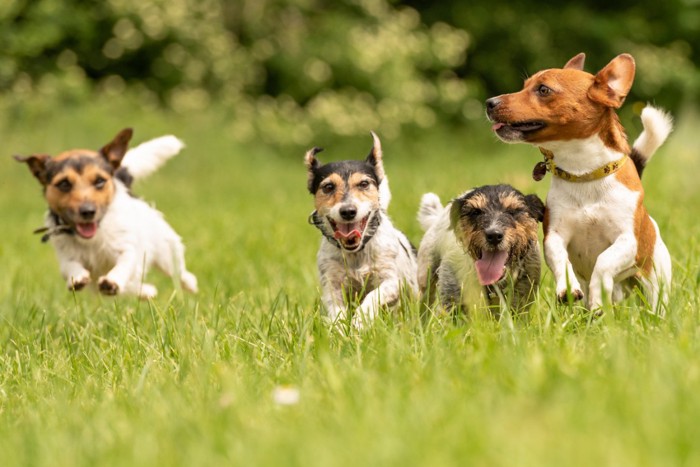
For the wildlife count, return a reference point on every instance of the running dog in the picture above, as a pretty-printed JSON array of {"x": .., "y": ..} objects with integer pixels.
[
  {"x": 491, "y": 229},
  {"x": 97, "y": 227},
  {"x": 599, "y": 238},
  {"x": 362, "y": 256}
]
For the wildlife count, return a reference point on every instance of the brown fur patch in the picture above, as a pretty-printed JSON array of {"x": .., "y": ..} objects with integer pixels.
[
  {"x": 645, "y": 233},
  {"x": 567, "y": 111},
  {"x": 70, "y": 188},
  {"x": 363, "y": 188},
  {"x": 325, "y": 199},
  {"x": 511, "y": 202}
]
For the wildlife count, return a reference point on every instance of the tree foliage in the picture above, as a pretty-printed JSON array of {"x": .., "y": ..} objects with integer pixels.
[{"x": 287, "y": 69}]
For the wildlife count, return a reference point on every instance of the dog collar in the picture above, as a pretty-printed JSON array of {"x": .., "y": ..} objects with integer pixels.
[
  {"x": 57, "y": 227},
  {"x": 548, "y": 165}
]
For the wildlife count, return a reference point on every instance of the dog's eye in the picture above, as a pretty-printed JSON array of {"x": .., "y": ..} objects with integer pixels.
[
  {"x": 64, "y": 185},
  {"x": 513, "y": 211},
  {"x": 543, "y": 90},
  {"x": 363, "y": 185},
  {"x": 99, "y": 183},
  {"x": 474, "y": 212},
  {"x": 328, "y": 188}
]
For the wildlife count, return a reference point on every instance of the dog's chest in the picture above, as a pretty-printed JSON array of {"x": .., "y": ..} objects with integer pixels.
[
  {"x": 97, "y": 255},
  {"x": 591, "y": 217}
]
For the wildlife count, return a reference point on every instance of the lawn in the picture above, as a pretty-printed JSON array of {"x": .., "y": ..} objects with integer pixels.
[{"x": 191, "y": 380}]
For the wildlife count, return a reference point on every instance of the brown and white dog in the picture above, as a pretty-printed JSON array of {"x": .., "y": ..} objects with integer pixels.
[
  {"x": 97, "y": 227},
  {"x": 599, "y": 238}
]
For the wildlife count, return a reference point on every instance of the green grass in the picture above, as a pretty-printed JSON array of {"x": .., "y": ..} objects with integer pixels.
[{"x": 188, "y": 380}]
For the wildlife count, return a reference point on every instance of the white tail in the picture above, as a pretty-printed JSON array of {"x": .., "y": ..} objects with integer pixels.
[
  {"x": 429, "y": 210},
  {"x": 657, "y": 126},
  {"x": 148, "y": 157}
]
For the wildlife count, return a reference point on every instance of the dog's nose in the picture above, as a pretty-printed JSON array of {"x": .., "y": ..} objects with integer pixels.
[
  {"x": 492, "y": 103},
  {"x": 348, "y": 212},
  {"x": 87, "y": 211},
  {"x": 494, "y": 236}
]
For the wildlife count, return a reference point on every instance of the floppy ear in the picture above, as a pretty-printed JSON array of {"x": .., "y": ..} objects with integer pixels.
[
  {"x": 576, "y": 63},
  {"x": 535, "y": 206},
  {"x": 311, "y": 165},
  {"x": 455, "y": 210},
  {"x": 115, "y": 150},
  {"x": 37, "y": 165},
  {"x": 375, "y": 157},
  {"x": 613, "y": 82}
]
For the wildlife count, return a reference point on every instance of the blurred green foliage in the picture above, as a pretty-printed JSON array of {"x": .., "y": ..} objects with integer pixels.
[{"x": 286, "y": 70}]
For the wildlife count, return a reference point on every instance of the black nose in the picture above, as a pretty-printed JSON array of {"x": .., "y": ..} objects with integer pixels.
[
  {"x": 87, "y": 211},
  {"x": 494, "y": 236},
  {"x": 348, "y": 212},
  {"x": 492, "y": 103}
]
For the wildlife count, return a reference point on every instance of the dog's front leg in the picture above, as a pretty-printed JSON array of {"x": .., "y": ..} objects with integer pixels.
[
  {"x": 126, "y": 268},
  {"x": 557, "y": 258},
  {"x": 74, "y": 273},
  {"x": 332, "y": 296},
  {"x": 617, "y": 259},
  {"x": 385, "y": 295}
]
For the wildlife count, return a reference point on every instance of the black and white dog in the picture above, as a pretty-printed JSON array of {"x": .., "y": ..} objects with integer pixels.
[{"x": 362, "y": 257}]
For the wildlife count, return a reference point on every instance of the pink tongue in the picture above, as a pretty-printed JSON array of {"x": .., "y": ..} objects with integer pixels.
[
  {"x": 87, "y": 229},
  {"x": 490, "y": 267},
  {"x": 497, "y": 126},
  {"x": 347, "y": 230}
]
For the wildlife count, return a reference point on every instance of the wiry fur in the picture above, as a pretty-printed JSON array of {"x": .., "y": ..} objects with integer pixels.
[
  {"x": 374, "y": 268},
  {"x": 456, "y": 236},
  {"x": 130, "y": 237},
  {"x": 599, "y": 238}
]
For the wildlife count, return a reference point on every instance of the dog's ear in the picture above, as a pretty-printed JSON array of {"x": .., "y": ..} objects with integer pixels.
[
  {"x": 37, "y": 165},
  {"x": 115, "y": 150},
  {"x": 576, "y": 63},
  {"x": 375, "y": 157},
  {"x": 456, "y": 208},
  {"x": 613, "y": 82},
  {"x": 455, "y": 211},
  {"x": 535, "y": 206},
  {"x": 312, "y": 163}
]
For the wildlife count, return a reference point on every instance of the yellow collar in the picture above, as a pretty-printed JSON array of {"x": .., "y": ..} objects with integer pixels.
[{"x": 548, "y": 165}]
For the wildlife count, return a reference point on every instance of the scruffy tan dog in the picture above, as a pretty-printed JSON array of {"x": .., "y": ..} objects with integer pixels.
[{"x": 488, "y": 233}]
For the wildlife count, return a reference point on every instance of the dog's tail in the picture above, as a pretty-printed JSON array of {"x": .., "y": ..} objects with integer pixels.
[
  {"x": 429, "y": 210},
  {"x": 148, "y": 157},
  {"x": 657, "y": 126}
]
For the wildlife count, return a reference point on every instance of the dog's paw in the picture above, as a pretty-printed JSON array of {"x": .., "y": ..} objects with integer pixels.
[
  {"x": 77, "y": 284},
  {"x": 108, "y": 287},
  {"x": 189, "y": 282},
  {"x": 147, "y": 291},
  {"x": 566, "y": 296}
]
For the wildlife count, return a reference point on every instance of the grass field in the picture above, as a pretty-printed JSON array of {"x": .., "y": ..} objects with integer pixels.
[{"x": 189, "y": 380}]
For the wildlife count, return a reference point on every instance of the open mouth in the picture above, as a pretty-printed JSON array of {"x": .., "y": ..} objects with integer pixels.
[
  {"x": 491, "y": 266},
  {"x": 86, "y": 229},
  {"x": 522, "y": 127},
  {"x": 349, "y": 234}
]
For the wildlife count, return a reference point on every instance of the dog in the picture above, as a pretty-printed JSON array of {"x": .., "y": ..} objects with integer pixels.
[
  {"x": 97, "y": 227},
  {"x": 489, "y": 232},
  {"x": 362, "y": 256},
  {"x": 599, "y": 239}
]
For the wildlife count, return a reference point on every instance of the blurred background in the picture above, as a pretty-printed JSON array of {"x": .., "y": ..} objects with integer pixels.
[{"x": 287, "y": 71}]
